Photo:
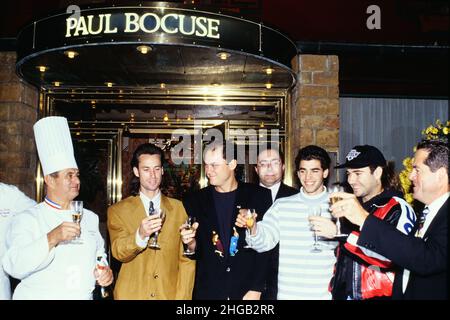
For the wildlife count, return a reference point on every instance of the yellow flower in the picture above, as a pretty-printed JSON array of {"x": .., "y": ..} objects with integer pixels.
[{"x": 445, "y": 130}]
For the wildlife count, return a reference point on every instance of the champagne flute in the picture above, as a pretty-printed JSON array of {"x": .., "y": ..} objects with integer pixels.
[
  {"x": 188, "y": 226},
  {"x": 77, "y": 214},
  {"x": 333, "y": 200},
  {"x": 250, "y": 221},
  {"x": 102, "y": 264},
  {"x": 316, "y": 211},
  {"x": 154, "y": 239}
]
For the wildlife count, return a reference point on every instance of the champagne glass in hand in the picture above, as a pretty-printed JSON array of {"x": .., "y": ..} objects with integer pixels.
[
  {"x": 316, "y": 211},
  {"x": 154, "y": 239},
  {"x": 250, "y": 221},
  {"x": 77, "y": 213},
  {"x": 188, "y": 226},
  {"x": 333, "y": 200}
]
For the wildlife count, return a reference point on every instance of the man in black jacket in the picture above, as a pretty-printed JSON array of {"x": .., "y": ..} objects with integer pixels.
[
  {"x": 360, "y": 273},
  {"x": 422, "y": 254},
  {"x": 224, "y": 268},
  {"x": 270, "y": 170}
]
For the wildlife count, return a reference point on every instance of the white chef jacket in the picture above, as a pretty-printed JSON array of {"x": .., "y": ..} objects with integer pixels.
[
  {"x": 12, "y": 201},
  {"x": 66, "y": 272}
]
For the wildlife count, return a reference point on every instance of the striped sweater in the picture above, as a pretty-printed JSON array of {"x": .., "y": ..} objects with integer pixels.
[{"x": 302, "y": 275}]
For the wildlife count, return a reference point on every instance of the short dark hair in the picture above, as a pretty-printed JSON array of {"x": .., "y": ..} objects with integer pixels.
[
  {"x": 145, "y": 148},
  {"x": 437, "y": 154},
  {"x": 313, "y": 152}
]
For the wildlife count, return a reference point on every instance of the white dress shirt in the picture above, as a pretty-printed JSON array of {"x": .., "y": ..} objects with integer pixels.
[{"x": 273, "y": 189}]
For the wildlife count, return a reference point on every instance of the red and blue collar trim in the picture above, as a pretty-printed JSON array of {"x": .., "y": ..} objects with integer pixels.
[{"x": 52, "y": 204}]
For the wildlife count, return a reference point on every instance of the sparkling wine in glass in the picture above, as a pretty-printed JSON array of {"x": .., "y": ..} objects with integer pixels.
[
  {"x": 154, "y": 239},
  {"x": 250, "y": 221},
  {"x": 316, "y": 211},
  {"x": 77, "y": 213},
  {"x": 188, "y": 226},
  {"x": 333, "y": 200}
]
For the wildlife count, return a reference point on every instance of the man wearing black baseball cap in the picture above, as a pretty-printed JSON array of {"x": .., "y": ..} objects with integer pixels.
[{"x": 360, "y": 273}]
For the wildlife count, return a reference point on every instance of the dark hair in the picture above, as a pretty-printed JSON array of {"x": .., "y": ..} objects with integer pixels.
[
  {"x": 313, "y": 152},
  {"x": 389, "y": 179},
  {"x": 145, "y": 148},
  {"x": 437, "y": 154},
  {"x": 277, "y": 149}
]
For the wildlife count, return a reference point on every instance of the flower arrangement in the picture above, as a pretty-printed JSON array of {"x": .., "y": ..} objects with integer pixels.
[{"x": 438, "y": 131}]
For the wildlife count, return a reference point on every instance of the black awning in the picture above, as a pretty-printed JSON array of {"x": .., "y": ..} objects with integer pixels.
[{"x": 185, "y": 47}]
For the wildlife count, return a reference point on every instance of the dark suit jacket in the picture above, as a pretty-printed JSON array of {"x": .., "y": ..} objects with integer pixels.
[
  {"x": 226, "y": 277},
  {"x": 425, "y": 258},
  {"x": 272, "y": 280}
]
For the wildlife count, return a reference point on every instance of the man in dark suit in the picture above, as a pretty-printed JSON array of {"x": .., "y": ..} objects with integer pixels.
[
  {"x": 225, "y": 268},
  {"x": 422, "y": 254},
  {"x": 270, "y": 170}
]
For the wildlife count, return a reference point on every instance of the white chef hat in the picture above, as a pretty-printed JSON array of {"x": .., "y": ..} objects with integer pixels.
[{"x": 54, "y": 144}]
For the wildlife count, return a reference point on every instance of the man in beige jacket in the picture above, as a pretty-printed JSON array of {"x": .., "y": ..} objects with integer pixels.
[{"x": 148, "y": 273}]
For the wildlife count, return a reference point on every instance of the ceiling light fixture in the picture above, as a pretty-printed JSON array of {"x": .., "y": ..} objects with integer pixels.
[
  {"x": 268, "y": 85},
  {"x": 166, "y": 117},
  {"x": 56, "y": 83},
  {"x": 70, "y": 54},
  {"x": 223, "y": 55},
  {"x": 162, "y": 85},
  {"x": 109, "y": 84},
  {"x": 144, "y": 49},
  {"x": 42, "y": 68},
  {"x": 269, "y": 70}
]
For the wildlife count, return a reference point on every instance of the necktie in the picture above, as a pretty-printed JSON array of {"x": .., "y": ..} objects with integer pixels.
[
  {"x": 422, "y": 218},
  {"x": 151, "y": 209}
]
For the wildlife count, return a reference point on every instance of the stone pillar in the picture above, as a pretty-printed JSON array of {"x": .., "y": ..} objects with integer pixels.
[
  {"x": 18, "y": 113},
  {"x": 315, "y": 103}
]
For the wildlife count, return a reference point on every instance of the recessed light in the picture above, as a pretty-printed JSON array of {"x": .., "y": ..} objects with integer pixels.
[
  {"x": 268, "y": 85},
  {"x": 42, "y": 68},
  {"x": 223, "y": 55},
  {"x": 269, "y": 70},
  {"x": 144, "y": 49},
  {"x": 109, "y": 84},
  {"x": 56, "y": 83},
  {"x": 70, "y": 54}
]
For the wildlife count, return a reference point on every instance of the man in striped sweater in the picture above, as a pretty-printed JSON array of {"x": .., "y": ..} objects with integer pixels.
[{"x": 303, "y": 274}]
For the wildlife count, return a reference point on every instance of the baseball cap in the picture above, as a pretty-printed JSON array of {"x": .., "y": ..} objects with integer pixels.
[{"x": 363, "y": 156}]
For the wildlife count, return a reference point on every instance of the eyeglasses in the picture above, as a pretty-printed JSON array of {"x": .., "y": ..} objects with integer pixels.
[{"x": 271, "y": 163}]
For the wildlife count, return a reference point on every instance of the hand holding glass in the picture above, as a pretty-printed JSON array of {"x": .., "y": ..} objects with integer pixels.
[
  {"x": 154, "y": 239},
  {"x": 250, "y": 221},
  {"x": 188, "y": 226},
  {"x": 333, "y": 200},
  {"x": 316, "y": 211},
  {"x": 77, "y": 213}
]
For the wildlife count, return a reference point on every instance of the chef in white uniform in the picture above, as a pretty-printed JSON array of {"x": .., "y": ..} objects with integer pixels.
[
  {"x": 40, "y": 251},
  {"x": 12, "y": 201}
]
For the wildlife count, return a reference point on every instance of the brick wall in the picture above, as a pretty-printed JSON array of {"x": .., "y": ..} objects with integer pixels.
[
  {"x": 18, "y": 113},
  {"x": 315, "y": 103}
]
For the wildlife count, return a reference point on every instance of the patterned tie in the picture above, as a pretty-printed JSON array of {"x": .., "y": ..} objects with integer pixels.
[
  {"x": 151, "y": 209},
  {"x": 422, "y": 219}
]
